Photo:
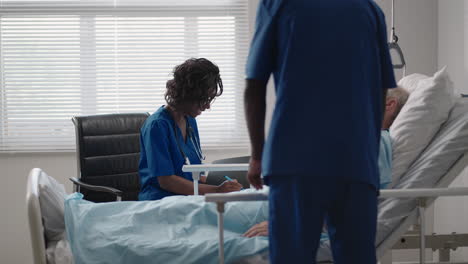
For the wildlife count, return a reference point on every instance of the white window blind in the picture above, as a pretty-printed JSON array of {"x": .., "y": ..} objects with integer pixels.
[{"x": 66, "y": 58}]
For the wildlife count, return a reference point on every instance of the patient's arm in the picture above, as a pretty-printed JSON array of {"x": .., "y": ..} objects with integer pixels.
[
  {"x": 179, "y": 185},
  {"x": 260, "y": 229}
]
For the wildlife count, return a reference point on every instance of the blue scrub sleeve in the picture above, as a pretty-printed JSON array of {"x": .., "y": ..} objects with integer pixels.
[
  {"x": 157, "y": 150},
  {"x": 386, "y": 65},
  {"x": 261, "y": 60}
]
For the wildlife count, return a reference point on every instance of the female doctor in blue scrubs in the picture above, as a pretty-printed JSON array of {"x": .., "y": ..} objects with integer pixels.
[{"x": 169, "y": 137}]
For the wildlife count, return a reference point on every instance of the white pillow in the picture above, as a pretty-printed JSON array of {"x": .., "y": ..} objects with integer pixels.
[
  {"x": 52, "y": 198},
  {"x": 427, "y": 108},
  {"x": 445, "y": 149}
]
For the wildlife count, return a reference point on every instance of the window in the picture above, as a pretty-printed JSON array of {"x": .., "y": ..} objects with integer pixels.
[{"x": 66, "y": 58}]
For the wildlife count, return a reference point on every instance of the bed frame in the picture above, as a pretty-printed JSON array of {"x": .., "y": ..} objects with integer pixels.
[
  {"x": 36, "y": 227},
  {"x": 400, "y": 238}
]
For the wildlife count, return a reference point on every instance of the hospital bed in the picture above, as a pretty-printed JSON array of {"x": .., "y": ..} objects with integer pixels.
[
  {"x": 396, "y": 238},
  {"x": 400, "y": 208}
]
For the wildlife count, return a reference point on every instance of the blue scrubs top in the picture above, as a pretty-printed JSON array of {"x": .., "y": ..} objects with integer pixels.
[
  {"x": 330, "y": 62},
  {"x": 160, "y": 154}
]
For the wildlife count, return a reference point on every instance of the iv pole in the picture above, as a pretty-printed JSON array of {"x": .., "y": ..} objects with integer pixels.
[{"x": 393, "y": 44}]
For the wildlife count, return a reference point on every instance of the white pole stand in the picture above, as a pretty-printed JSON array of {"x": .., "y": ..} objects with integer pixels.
[
  {"x": 196, "y": 178},
  {"x": 220, "y": 207},
  {"x": 422, "y": 231}
]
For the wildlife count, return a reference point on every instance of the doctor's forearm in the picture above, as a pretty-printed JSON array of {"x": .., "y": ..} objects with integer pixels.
[
  {"x": 179, "y": 185},
  {"x": 255, "y": 108}
]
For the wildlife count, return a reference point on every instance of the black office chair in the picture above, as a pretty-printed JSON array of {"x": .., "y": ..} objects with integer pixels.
[
  {"x": 108, "y": 152},
  {"x": 217, "y": 177}
]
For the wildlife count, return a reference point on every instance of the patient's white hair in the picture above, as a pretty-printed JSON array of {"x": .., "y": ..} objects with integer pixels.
[{"x": 400, "y": 95}]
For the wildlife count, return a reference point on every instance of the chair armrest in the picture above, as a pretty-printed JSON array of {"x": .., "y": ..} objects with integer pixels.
[{"x": 117, "y": 193}]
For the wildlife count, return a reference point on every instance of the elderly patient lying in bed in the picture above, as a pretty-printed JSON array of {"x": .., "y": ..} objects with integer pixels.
[
  {"x": 183, "y": 229},
  {"x": 396, "y": 99}
]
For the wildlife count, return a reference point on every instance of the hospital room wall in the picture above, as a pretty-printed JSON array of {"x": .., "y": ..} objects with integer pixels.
[{"x": 451, "y": 214}]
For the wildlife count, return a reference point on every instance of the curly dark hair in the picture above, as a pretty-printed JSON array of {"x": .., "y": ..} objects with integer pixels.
[{"x": 195, "y": 81}]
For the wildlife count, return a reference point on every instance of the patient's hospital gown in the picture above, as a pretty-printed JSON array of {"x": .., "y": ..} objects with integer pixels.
[{"x": 385, "y": 159}]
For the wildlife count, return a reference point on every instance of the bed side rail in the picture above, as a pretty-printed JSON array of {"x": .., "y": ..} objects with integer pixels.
[{"x": 422, "y": 195}]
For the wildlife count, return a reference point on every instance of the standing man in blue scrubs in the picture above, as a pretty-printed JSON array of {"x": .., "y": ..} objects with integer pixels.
[{"x": 331, "y": 68}]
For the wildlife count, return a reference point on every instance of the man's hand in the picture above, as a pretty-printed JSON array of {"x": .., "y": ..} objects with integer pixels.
[
  {"x": 260, "y": 229},
  {"x": 255, "y": 170}
]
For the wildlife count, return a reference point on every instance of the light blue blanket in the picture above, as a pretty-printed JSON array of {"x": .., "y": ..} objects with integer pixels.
[{"x": 176, "y": 229}]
